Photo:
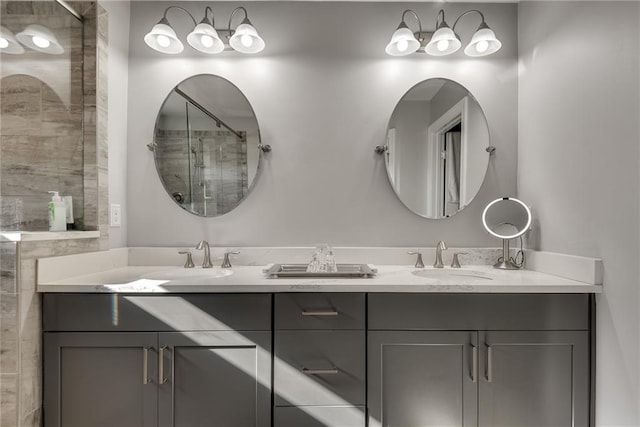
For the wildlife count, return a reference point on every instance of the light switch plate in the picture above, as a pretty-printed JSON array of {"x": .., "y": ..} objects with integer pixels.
[{"x": 116, "y": 218}]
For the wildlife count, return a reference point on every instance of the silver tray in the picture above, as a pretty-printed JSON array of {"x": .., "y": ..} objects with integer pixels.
[{"x": 300, "y": 270}]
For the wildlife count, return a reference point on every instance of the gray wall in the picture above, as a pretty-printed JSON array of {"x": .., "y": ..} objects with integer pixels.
[
  {"x": 323, "y": 92},
  {"x": 578, "y": 161},
  {"x": 118, "y": 92}
]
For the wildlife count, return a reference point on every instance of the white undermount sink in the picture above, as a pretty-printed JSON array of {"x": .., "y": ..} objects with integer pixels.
[
  {"x": 188, "y": 273},
  {"x": 452, "y": 275}
]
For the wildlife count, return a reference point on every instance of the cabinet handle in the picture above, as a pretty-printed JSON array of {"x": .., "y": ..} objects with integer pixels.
[
  {"x": 319, "y": 313},
  {"x": 489, "y": 363},
  {"x": 333, "y": 371},
  {"x": 474, "y": 364},
  {"x": 161, "y": 365},
  {"x": 145, "y": 365}
]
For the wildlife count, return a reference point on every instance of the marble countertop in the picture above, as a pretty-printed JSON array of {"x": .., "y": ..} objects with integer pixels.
[{"x": 389, "y": 278}]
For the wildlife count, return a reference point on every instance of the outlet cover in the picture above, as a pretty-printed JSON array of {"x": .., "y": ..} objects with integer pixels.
[{"x": 116, "y": 217}]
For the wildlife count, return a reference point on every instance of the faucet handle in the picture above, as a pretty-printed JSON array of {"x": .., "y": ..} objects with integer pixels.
[
  {"x": 455, "y": 262},
  {"x": 189, "y": 263},
  {"x": 226, "y": 263},
  {"x": 419, "y": 263}
]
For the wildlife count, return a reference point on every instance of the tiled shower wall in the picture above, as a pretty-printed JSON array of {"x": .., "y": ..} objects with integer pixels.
[
  {"x": 41, "y": 146},
  {"x": 20, "y": 310}
]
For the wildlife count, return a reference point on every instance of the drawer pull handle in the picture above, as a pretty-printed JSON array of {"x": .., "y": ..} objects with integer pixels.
[
  {"x": 145, "y": 365},
  {"x": 319, "y": 313},
  {"x": 333, "y": 371}
]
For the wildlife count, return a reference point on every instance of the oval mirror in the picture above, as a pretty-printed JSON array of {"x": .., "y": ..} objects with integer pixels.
[
  {"x": 437, "y": 148},
  {"x": 507, "y": 218},
  {"x": 207, "y": 145}
]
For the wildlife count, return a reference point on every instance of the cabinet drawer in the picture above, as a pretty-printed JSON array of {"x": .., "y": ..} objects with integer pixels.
[
  {"x": 473, "y": 312},
  {"x": 319, "y": 311},
  {"x": 336, "y": 357},
  {"x": 175, "y": 312},
  {"x": 320, "y": 416}
]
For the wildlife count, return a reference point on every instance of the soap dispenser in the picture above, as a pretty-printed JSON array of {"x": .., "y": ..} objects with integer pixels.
[{"x": 57, "y": 213}]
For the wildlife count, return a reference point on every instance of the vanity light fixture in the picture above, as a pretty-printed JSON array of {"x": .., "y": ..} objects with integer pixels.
[
  {"x": 444, "y": 40},
  {"x": 8, "y": 42},
  {"x": 204, "y": 37},
  {"x": 40, "y": 38}
]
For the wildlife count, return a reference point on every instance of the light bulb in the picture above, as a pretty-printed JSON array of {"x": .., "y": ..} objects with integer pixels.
[
  {"x": 246, "y": 40},
  {"x": 482, "y": 46},
  {"x": 402, "y": 45},
  {"x": 443, "y": 45},
  {"x": 41, "y": 42},
  {"x": 207, "y": 41},
  {"x": 163, "y": 41},
  {"x": 3, "y": 43}
]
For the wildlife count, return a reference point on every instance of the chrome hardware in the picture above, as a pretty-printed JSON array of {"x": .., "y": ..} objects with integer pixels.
[
  {"x": 225, "y": 262},
  {"x": 419, "y": 263},
  {"x": 455, "y": 262},
  {"x": 440, "y": 246},
  {"x": 489, "y": 363},
  {"x": 161, "y": 376},
  {"x": 490, "y": 149},
  {"x": 474, "y": 363},
  {"x": 265, "y": 148},
  {"x": 206, "y": 262},
  {"x": 319, "y": 313},
  {"x": 381, "y": 149},
  {"x": 189, "y": 263},
  {"x": 152, "y": 146},
  {"x": 145, "y": 365},
  {"x": 333, "y": 371}
]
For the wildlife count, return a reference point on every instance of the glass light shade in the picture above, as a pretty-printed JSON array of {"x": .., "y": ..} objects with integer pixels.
[
  {"x": 205, "y": 39},
  {"x": 40, "y": 39},
  {"x": 246, "y": 39},
  {"x": 443, "y": 42},
  {"x": 163, "y": 39},
  {"x": 10, "y": 44},
  {"x": 402, "y": 43},
  {"x": 483, "y": 43}
]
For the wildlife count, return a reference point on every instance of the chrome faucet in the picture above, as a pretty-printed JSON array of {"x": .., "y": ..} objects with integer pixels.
[
  {"x": 226, "y": 263},
  {"x": 440, "y": 246},
  {"x": 206, "y": 262}
]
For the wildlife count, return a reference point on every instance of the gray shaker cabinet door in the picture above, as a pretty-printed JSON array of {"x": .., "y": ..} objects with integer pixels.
[
  {"x": 534, "y": 379},
  {"x": 100, "y": 379},
  {"x": 220, "y": 378},
  {"x": 422, "y": 379}
]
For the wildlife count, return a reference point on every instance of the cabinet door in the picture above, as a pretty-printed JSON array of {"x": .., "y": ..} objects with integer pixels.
[
  {"x": 534, "y": 379},
  {"x": 220, "y": 378},
  {"x": 422, "y": 378},
  {"x": 100, "y": 379}
]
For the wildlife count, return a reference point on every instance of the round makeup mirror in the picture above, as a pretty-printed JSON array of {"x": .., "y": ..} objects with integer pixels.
[
  {"x": 506, "y": 218},
  {"x": 437, "y": 148},
  {"x": 207, "y": 145}
]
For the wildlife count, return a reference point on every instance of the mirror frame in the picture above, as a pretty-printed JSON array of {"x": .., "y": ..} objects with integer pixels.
[{"x": 262, "y": 148}]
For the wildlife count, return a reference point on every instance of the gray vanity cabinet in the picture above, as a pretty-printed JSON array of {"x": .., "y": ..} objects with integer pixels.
[
  {"x": 319, "y": 360},
  {"x": 222, "y": 376},
  {"x": 422, "y": 378},
  {"x": 100, "y": 380},
  {"x": 534, "y": 378},
  {"x": 157, "y": 361},
  {"x": 478, "y": 360}
]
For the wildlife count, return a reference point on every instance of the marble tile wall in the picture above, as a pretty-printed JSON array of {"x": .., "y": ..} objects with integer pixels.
[
  {"x": 20, "y": 304},
  {"x": 41, "y": 126}
]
